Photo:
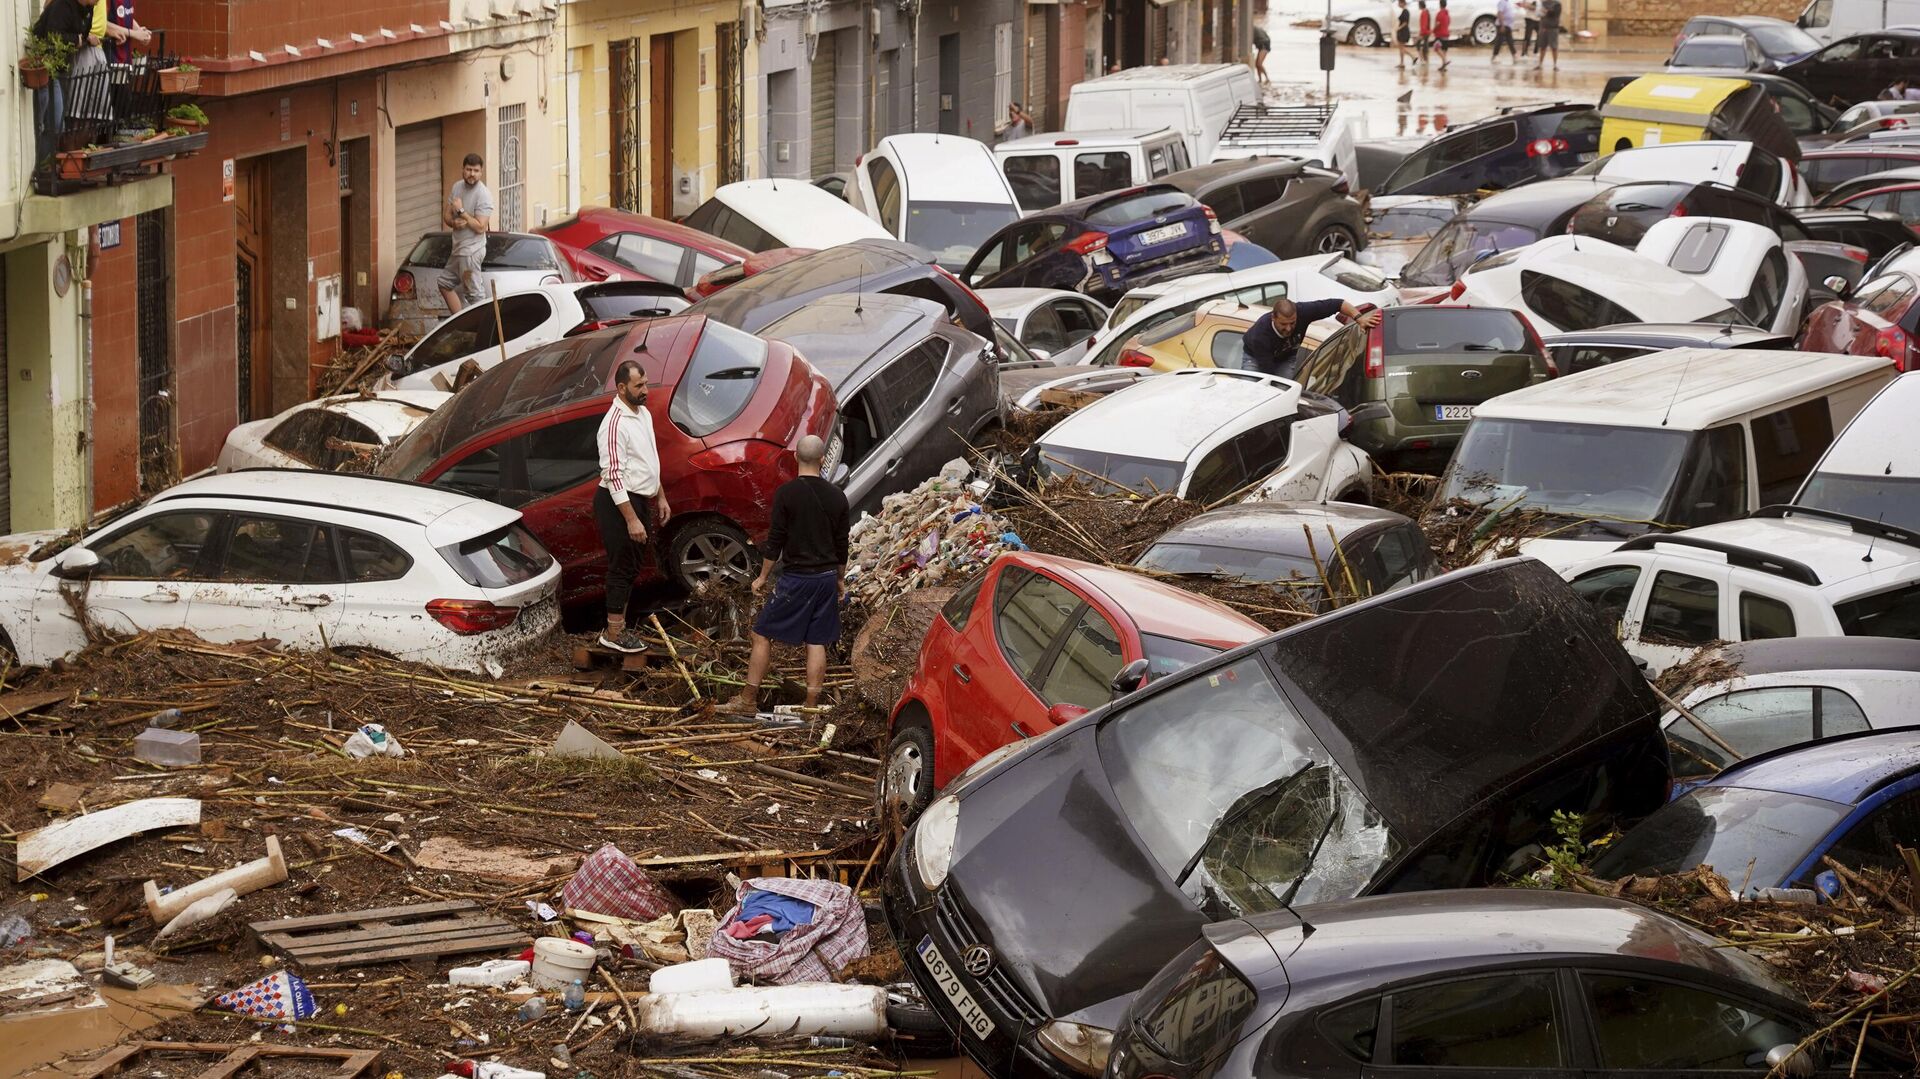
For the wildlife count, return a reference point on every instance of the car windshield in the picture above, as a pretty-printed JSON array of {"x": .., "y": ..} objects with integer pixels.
[
  {"x": 1755, "y": 836},
  {"x": 1453, "y": 249},
  {"x": 1624, "y": 214},
  {"x": 1145, "y": 475},
  {"x": 720, "y": 378},
  {"x": 1782, "y": 39},
  {"x": 1698, "y": 53},
  {"x": 1237, "y": 800},
  {"x": 1203, "y": 560},
  {"x": 1410, "y": 222},
  {"x": 1893, "y": 500},
  {"x": 953, "y": 230},
  {"x": 1586, "y": 470}
]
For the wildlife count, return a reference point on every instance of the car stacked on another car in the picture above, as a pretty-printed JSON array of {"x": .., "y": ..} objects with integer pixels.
[
  {"x": 1500, "y": 222},
  {"x": 1103, "y": 246},
  {"x": 1567, "y": 283},
  {"x": 330, "y": 432},
  {"x": 605, "y": 243},
  {"x": 513, "y": 262},
  {"x": 1517, "y": 144},
  {"x": 1321, "y": 553},
  {"x": 1584, "y": 350},
  {"x": 1286, "y": 206}
]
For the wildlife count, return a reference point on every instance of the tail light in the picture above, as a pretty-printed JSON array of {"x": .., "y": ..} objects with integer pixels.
[
  {"x": 1087, "y": 243},
  {"x": 1459, "y": 287},
  {"x": 1892, "y": 344},
  {"x": 470, "y": 616},
  {"x": 1858, "y": 254},
  {"x": 1543, "y": 147},
  {"x": 966, "y": 291},
  {"x": 1133, "y": 357},
  {"x": 1377, "y": 350},
  {"x": 1540, "y": 346},
  {"x": 403, "y": 284},
  {"x": 1213, "y": 220}
]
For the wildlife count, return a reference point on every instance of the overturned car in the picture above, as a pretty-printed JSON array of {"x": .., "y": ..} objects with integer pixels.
[{"x": 1419, "y": 740}]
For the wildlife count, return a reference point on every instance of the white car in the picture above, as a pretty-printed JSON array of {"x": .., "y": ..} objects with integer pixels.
[
  {"x": 536, "y": 316},
  {"x": 330, "y": 432},
  {"x": 1872, "y": 470},
  {"x": 943, "y": 193},
  {"x": 1735, "y": 164},
  {"x": 1784, "y": 572},
  {"x": 1048, "y": 321},
  {"x": 1208, "y": 434},
  {"x": 1367, "y": 23},
  {"x": 1399, "y": 226},
  {"x": 761, "y": 215},
  {"x": 1747, "y": 265},
  {"x": 312, "y": 560},
  {"x": 1565, "y": 283}
]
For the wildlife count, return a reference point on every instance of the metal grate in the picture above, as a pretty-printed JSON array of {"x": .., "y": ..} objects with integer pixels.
[
  {"x": 243, "y": 336},
  {"x": 111, "y": 102},
  {"x": 997, "y": 987},
  {"x": 512, "y": 174},
  {"x": 732, "y": 148},
  {"x": 159, "y": 467},
  {"x": 623, "y": 118}
]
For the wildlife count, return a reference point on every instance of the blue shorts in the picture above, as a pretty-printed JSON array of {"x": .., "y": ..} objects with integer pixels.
[{"x": 805, "y": 609}]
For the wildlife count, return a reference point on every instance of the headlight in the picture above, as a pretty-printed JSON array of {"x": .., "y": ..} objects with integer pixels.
[
  {"x": 933, "y": 841},
  {"x": 1082, "y": 1048}
]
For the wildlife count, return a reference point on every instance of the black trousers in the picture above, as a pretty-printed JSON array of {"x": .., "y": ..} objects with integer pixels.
[
  {"x": 623, "y": 555},
  {"x": 1503, "y": 36},
  {"x": 1532, "y": 29}
]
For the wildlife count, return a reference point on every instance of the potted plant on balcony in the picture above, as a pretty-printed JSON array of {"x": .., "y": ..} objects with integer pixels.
[
  {"x": 76, "y": 164},
  {"x": 181, "y": 78},
  {"x": 187, "y": 118},
  {"x": 46, "y": 58}
]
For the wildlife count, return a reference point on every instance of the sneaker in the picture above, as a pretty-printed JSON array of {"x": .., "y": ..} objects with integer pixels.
[{"x": 624, "y": 641}]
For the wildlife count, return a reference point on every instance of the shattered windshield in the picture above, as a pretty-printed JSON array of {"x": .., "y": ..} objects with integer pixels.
[
  {"x": 1236, "y": 798},
  {"x": 1585, "y": 470},
  {"x": 1453, "y": 249}
]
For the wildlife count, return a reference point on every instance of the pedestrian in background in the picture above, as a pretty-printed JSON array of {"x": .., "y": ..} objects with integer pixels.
[
  {"x": 1503, "y": 18},
  {"x": 1531, "y": 10},
  {"x": 1262, "y": 45},
  {"x": 1443, "y": 34},
  {"x": 1019, "y": 123},
  {"x": 469, "y": 214},
  {"x": 629, "y": 497},
  {"x": 1549, "y": 33},
  {"x": 1425, "y": 39},
  {"x": 808, "y": 533},
  {"x": 1402, "y": 34}
]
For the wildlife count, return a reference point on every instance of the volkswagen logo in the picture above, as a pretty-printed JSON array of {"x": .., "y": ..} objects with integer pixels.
[
  {"x": 1469, "y": 374},
  {"x": 978, "y": 961}
]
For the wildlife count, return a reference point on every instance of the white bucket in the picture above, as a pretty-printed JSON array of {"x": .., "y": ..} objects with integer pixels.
[{"x": 557, "y": 961}]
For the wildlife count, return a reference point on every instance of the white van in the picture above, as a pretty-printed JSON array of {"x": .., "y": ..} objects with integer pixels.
[
  {"x": 943, "y": 192},
  {"x": 1196, "y": 100},
  {"x": 1831, "y": 20},
  {"x": 1872, "y": 471},
  {"x": 1062, "y": 166},
  {"x": 761, "y": 215}
]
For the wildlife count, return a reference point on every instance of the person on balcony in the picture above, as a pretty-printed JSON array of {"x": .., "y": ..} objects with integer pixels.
[
  {"x": 122, "y": 29},
  {"x": 73, "y": 21}
]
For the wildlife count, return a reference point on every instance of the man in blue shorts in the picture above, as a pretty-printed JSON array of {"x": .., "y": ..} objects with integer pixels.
[{"x": 809, "y": 534}]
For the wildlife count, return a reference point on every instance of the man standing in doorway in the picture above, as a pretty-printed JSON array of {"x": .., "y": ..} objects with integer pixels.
[
  {"x": 629, "y": 488},
  {"x": 808, "y": 532},
  {"x": 468, "y": 215},
  {"x": 1272, "y": 344}
]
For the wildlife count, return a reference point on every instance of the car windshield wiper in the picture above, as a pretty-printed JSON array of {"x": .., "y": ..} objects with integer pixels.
[
  {"x": 1475, "y": 346},
  {"x": 1248, "y": 801}
]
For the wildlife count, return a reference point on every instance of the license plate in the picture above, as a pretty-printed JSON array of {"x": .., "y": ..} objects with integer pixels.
[
  {"x": 1587, "y": 156},
  {"x": 943, "y": 976},
  {"x": 1453, "y": 412},
  {"x": 1162, "y": 235}
]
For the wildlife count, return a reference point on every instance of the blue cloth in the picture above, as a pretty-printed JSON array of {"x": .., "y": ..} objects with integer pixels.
[
  {"x": 805, "y": 609},
  {"x": 1272, "y": 354},
  {"x": 785, "y": 910}
]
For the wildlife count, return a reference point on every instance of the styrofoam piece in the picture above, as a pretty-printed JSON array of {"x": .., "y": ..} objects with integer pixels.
[
  {"x": 807, "y": 1008},
  {"x": 690, "y": 977},
  {"x": 491, "y": 972},
  {"x": 198, "y": 911}
]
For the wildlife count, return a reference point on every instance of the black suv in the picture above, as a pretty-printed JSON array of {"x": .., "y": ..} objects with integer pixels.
[{"x": 1519, "y": 143}]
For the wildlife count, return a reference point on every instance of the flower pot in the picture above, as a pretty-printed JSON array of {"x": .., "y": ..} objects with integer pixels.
[
  {"x": 175, "y": 81},
  {"x": 188, "y": 126},
  {"x": 33, "y": 76},
  {"x": 72, "y": 165}
]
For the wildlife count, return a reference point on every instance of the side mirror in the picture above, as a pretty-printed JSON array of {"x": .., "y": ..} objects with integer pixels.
[
  {"x": 1131, "y": 677},
  {"x": 1791, "y": 1060},
  {"x": 1040, "y": 353},
  {"x": 1064, "y": 713},
  {"x": 1836, "y": 285},
  {"x": 76, "y": 564}
]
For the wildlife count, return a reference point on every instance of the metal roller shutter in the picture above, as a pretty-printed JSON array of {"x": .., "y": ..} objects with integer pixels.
[
  {"x": 822, "y": 104},
  {"x": 6, "y": 466},
  {"x": 1037, "y": 94},
  {"x": 418, "y": 191}
]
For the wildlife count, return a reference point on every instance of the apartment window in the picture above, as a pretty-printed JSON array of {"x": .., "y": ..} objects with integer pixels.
[
  {"x": 1002, "y": 70},
  {"x": 512, "y": 196}
]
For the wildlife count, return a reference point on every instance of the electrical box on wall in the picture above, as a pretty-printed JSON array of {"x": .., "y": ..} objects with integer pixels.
[
  {"x": 326, "y": 308},
  {"x": 686, "y": 193}
]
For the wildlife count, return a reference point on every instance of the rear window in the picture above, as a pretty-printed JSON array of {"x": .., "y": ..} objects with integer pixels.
[
  {"x": 1168, "y": 331},
  {"x": 603, "y": 305},
  {"x": 1143, "y": 474},
  {"x": 1567, "y": 305},
  {"x": 1624, "y": 214},
  {"x": 1125, "y": 211},
  {"x": 1698, "y": 53},
  {"x": 1194, "y": 558},
  {"x": 1195, "y": 1010},
  {"x": 1470, "y": 329},
  {"x": 499, "y": 559},
  {"x": 1698, "y": 249},
  {"x": 1893, "y": 613},
  {"x": 720, "y": 379}
]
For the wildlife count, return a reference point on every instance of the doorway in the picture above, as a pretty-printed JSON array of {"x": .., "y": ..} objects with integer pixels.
[
  {"x": 153, "y": 313},
  {"x": 252, "y": 195},
  {"x": 660, "y": 119},
  {"x": 270, "y": 283},
  {"x": 356, "y": 226},
  {"x": 949, "y": 84}
]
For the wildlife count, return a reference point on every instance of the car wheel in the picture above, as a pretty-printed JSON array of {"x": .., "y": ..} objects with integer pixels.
[
  {"x": 906, "y": 777},
  {"x": 1365, "y": 34},
  {"x": 1485, "y": 30},
  {"x": 710, "y": 549},
  {"x": 1335, "y": 238}
]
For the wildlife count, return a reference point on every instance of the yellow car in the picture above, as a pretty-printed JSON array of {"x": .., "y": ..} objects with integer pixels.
[{"x": 1209, "y": 337}]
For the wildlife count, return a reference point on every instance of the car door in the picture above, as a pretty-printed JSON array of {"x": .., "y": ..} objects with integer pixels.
[
  {"x": 1043, "y": 331},
  {"x": 277, "y": 577},
  {"x": 1079, "y": 319},
  {"x": 892, "y": 441},
  {"x": 1680, "y": 610},
  {"x": 148, "y": 570},
  {"x": 996, "y": 660},
  {"x": 1083, "y": 665},
  {"x": 1510, "y": 1022}
]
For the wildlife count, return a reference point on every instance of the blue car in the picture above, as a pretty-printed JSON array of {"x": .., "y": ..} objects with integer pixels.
[
  {"x": 1103, "y": 246},
  {"x": 1770, "y": 820}
]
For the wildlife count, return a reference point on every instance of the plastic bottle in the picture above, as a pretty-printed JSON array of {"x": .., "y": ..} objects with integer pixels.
[
  {"x": 828, "y": 1041},
  {"x": 576, "y": 996},
  {"x": 488, "y": 1069},
  {"x": 534, "y": 1008},
  {"x": 167, "y": 718}
]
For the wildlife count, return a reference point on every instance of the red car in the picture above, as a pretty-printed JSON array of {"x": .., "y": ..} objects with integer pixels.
[
  {"x": 1899, "y": 199},
  {"x": 1880, "y": 318},
  {"x": 728, "y": 409},
  {"x": 1031, "y": 644},
  {"x": 602, "y": 243},
  {"x": 759, "y": 262}
]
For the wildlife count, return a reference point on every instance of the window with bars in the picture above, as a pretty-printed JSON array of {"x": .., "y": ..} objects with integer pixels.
[
  {"x": 512, "y": 197},
  {"x": 1002, "y": 70},
  {"x": 623, "y": 122}
]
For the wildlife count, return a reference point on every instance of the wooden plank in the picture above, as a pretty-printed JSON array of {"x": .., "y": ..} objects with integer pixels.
[
  {"x": 18, "y": 703},
  {"x": 237, "y": 1056},
  {"x": 356, "y": 917},
  {"x": 367, "y": 937},
  {"x": 476, "y": 944},
  {"x": 44, "y": 848}
]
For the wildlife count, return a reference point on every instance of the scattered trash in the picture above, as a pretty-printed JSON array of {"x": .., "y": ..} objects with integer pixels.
[
  {"x": 559, "y": 960},
  {"x": 699, "y": 925},
  {"x": 158, "y": 745},
  {"x": 1865, "y": 983},
  {"x": 576, "y": 996},
  {"x": 485, "y": 1069},
  {"x": 935, "y": 533},
  {"x": 785, "y": 1010},
  {"x": 783, "y": 930},
  {"x": 280, "y": 995},
  {"x": 577, "y": 741},
  {"x": 372, "y": 740},
  {"x": 609, "y": 883},
  {"x": 198, "y": 911},
  {"x": 241, "y": 879},
  {"x": 534, "y": 1008},
  {"x": 168, "y": 717},
  {"x": 15, "y": 930},
  {"x": 44, "y": 848},
  {"x": 542, "y": 911},
  {"x": 115, "y": 971},
  {"x": 491, "y": 972},
  {"x": 715, "y": 973}
]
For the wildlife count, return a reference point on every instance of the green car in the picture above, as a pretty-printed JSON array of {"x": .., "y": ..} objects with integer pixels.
[{"x": 1411, "y": 382}]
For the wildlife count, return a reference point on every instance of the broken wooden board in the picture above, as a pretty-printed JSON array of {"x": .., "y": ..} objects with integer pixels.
[
  {"x": 364, "y": 937},
  {"x": 62, "y": 797},
  {"x": 17, "y": 704},
  {"x": 44, "y": 848},
  {"x": 449, "y": 855},
  {"x": 234, "y": 1058},
  {"x": 1069, "y": 399}
]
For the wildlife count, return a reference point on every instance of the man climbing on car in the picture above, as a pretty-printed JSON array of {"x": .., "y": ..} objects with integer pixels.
[{"x": 1272, "y": 344}]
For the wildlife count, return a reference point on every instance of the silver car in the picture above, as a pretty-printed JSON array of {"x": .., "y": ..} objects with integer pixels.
[
  {"x": 915, "y": 390},
  {"x": 514, "y": 262}
]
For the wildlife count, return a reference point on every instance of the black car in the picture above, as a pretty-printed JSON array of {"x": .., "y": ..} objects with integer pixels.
[
  {"x": 1473, "y": 983},
  {"x": 1858, "y": 68},
  {"x": 1299, "y": 544},
  {"x": 1623, "y": 214},
  {"x": 888, "y": 266},
  {"x": 1286, "y": 206},
  {"x": 1415, "y": 741},
  {"x": 1730, "y": 54},
  {"x": 1583, "y": 350},
  {"x": 1517, "y": 144},
  {"x": 1497, "y": 223},
  {"x": 1104, "y": 245},
  {"x": 1777, "y": 40}
]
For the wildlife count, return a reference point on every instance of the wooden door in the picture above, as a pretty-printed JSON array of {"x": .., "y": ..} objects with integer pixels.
[
  {"x": 252, "y": 200},
  {"x": 660, "y": 108}
]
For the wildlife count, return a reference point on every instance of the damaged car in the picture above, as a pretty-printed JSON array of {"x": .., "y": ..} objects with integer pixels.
[{"x": 1419, "y": 740}]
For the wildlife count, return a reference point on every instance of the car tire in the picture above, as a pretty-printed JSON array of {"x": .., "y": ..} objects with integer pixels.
[
  {"x": 709, "y": 548},
  {"x": 1365, "y": 34},
  {"x": 905, "y": 784},
  {"x": 1485, "y": 29},
  {"x": 1335, "y": 238}
]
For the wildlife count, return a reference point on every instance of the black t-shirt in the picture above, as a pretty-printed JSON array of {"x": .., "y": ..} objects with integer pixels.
[
  {"x": 65, "y": 18},
  {"x": 1261, "y": 40},
  {"x": 809, "y": 526}
]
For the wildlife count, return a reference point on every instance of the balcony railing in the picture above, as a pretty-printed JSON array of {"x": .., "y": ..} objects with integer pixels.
[{"x": 108, "y": 125}]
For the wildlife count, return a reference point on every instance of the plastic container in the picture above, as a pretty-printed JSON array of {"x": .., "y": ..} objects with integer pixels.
[
  {"x": 157, "y": 745},
  {"x": 491, "y": 972},
  {"x": 576, "y": 997},
  {"x": 534, "y": 1008},
  {"x": 692, "y": 977},
  {"x": 487, "y": 1069},
  {"x": 858, "y": 1011},
  {"x": 557, "y": 961}
]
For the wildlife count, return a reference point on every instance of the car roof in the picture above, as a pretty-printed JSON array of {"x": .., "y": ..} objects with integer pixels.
[
  {"x": 1277, "y": 527},
  {"x": 947, "y": 168},
  {"x": 1879, "y": 440},
  {"x": 1714, "y": 39},
  {"x": 1844, "y": 769},
  {"x": 1163, "y": 417},
  {"x": 1199, "y": 176},
  {"x": 1080, "y": 207},
  {"x": 388, "y": 412},
  {"x": 1172, "y": 73},
  {"x": 1597, "y": 266},
  {"x": 808, "y": 216},
  {"x": 1684, "y": 388},
  {"x": 447, "y": 516},
  {"x": 1530, "y": 203},
  {"x": 1155, "y": 607},
  {"x": 1668, "y": 335},
  {"x": 617, "y": 220},
  {"x": 1066, "y": 140},
  {"x": 1634, "y": 163},
  {"x": 840, "y": 334},
  {"x": 1786, "y": 655},
  {"x": 1834, "y": 550}
]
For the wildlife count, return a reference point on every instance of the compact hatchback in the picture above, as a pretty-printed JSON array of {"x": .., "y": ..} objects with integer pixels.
[
  {"x": 1029, "y": 645},
  {"x": 728, "y": 409},
  {"x": 1880, "y": 318},
  {"x": 1307, "y": 548},
  {"x": 1517, "y": 144},
  {"x": 514, "y": 261},
  {"x": 604, "y": 243},
  {"x": 1104, "y": 245},
  {"x": 329, "y": 433}
]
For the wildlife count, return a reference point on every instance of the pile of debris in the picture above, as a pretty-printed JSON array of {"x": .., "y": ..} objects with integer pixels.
[{"x": 938, "y": 533}]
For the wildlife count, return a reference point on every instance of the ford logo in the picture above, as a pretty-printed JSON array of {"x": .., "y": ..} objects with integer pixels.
[
  {"x": 1470, "y": 375},
  {"x": 977, "y": 961}
]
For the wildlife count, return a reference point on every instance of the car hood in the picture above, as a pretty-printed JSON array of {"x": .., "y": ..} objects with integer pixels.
[
  {"x": 1562, "y": 554},
  {"x": 15, "y": 548}
]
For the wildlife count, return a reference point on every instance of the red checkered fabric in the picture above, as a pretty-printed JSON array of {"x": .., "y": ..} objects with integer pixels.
[
  {"x": 808, "y": 953},
  {"x": 609, "y": 883}
]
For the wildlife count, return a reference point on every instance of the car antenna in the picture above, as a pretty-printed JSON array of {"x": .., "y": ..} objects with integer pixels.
[
  {"x": 859, "y": 292},
  {"x": 644, "y": 331},
  {"x": 1875, "y": 538},
  {"x": 1676, "y": 387}
]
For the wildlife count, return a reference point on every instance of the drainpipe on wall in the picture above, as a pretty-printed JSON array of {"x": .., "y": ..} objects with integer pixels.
[
  {"x": 86, "y": 361},
  {"x": 916, "y": 64}
]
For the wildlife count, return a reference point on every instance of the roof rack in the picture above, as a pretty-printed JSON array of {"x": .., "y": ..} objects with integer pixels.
[
  {"x": 1860, "y": 525},
  {"x": 1743, "y": 557}
]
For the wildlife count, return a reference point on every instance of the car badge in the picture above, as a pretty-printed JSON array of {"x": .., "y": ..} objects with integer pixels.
[
  {"x": 977, "y": 961},
  {"x": 1470, "y": 374},
  {"x": 1612, "y": 220},
  {"x": 1161, "y": 220}
]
